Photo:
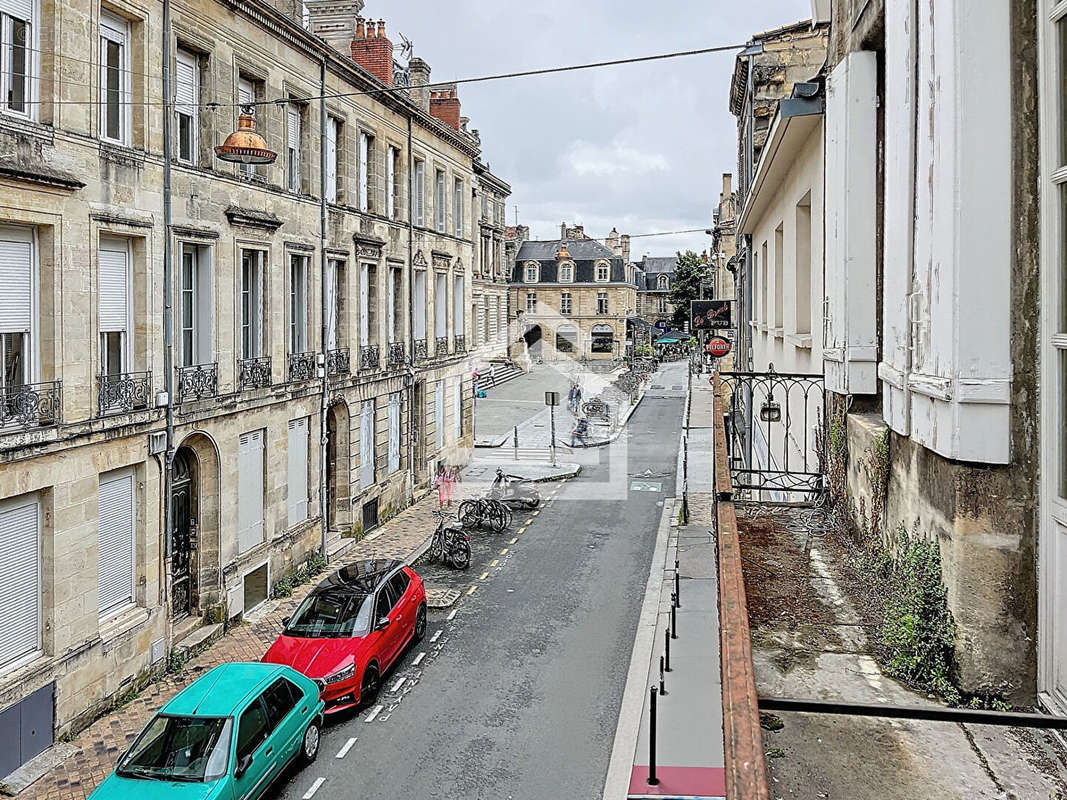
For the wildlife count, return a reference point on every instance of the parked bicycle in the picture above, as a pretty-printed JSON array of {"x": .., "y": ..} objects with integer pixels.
[
  {"x": 451, "y": 544},
  {"x": 484, "y": 513},
  {"x": 514, "y": 490},
  {"x": 595, "y": 407}
]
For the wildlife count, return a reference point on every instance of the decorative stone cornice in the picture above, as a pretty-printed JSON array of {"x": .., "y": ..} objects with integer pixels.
[
  {"x": 441, "y": 260},
  {"x": 36, "y": 172},
  {"x": 252, "y": 218},
  {"x": 368, "y": 246},
  {"x": 419, "y": 260}
]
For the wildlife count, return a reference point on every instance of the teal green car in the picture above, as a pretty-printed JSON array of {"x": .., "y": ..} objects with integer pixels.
[{"x": 228, "y": 734}]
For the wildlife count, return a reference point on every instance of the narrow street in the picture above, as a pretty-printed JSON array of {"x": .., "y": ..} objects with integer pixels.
[{"x": 519, "y": 689}]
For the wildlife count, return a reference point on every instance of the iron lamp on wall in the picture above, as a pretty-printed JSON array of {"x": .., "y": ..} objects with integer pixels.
[{"x": 244, "y": 145}]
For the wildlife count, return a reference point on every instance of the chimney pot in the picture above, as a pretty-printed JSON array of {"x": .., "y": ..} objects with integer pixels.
[
  {"x": 381, "y": 29},
  {"x": 359, "y": 28}
]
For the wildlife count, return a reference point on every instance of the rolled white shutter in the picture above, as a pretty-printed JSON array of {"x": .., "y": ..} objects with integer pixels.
[
  {"x": 364, "y": 306},
  {"x": 458, "y": 309},
  {"x": 115, "y": 548},
  {"x": 420, "y": 194},
  {"x": 114, "y": 285},
  {"x": 420, "y": 305},
  {"x": 16, "y": 280},
  {"x": 331, "y": 160},
  {"x": 440, "y": 306},
  {"x": 457, "y": 408},
  {"x": 20, "y": 9},
  {"x": 364, "y": 174},
  {"x": 394, "y": 432},
  {"x": 185, "y": 82},
  {"x": 366, "y": 444},
  {"x": 250, "y": 490},
  {"x": 390, "y": 183},
  {"x": 20, "y": 583},
  {"x": 331, "y": 306},
  {"x": 439, "y": 414},
  {"x": 298, "y": 470}
]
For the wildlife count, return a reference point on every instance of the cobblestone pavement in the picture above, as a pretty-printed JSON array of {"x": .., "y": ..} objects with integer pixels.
[{"x": 102, "y": 742}]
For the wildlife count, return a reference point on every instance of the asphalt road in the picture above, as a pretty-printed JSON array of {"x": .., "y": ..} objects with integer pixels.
[{"x": 518, "y": 691}]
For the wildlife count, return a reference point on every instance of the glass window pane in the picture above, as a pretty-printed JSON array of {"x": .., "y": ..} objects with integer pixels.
[
  {"x": 185, "y": 137},
  {"x": 114, "y": 89},
  {"x": 16, "y": 92},
  {"x": 13, "y": 346}
]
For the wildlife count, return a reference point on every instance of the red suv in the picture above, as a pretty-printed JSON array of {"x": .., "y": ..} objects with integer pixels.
[{"x": 351, "y": 628}]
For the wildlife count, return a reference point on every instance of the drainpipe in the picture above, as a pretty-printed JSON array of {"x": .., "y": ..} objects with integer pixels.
[
  {"x": 324, "y": 491},
  {"x": 168, "y": 339},
  {"x": 411, "y": 321}
]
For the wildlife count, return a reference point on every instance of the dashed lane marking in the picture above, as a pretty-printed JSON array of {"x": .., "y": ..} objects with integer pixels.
[
  {"x": 535, "y": 513},
  {"x": 520, "y": 531},
  {"x": 348, "y": 746},
  {"x": 471, "y": 590},
  {"x": 452, "y": 616},
  {"x": 483, "y": 576},
  {"x": 493, "y": 563},
  {"x": 504, "y": 552},
  {"x": 397, "y": 685},
  {"x": 314, "y": 788},
  {"x": 528, "y": 522},
  {"x": 374, "y": 712},
  {"x": 418, "y": 659},
  {"x": 436, "y": 635}
]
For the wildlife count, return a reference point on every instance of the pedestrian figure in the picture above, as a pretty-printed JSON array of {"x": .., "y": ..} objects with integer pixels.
[
  {"x": 570, "y": 396},
  {"x": 579, "y": 432},
  {"x": 445, "y": 482},
  {"x": 577, "y": 398}
]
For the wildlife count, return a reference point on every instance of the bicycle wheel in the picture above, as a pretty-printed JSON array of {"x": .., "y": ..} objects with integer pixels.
[
  {"x": 468, "y": 513},
  {"x": 507, "y": 514},
  {"x": 497, "y": 519},
  {"x": 460, "y": 555}
]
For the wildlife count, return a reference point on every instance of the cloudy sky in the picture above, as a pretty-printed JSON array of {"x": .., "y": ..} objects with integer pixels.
[{"x": 640, "y": 147}]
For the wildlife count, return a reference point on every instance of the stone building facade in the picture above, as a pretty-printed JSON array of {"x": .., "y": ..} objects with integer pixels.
[
  {"x": 573, "y": 299},
  {"x": 491, "y": 271},
  {"x": 655, "y": 277},
  {"x": 305, "y": 363}
]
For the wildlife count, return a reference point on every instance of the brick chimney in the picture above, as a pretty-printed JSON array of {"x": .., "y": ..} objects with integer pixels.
[
  {"x": 444, "y": 104},
  {"x": 418, "y": 77},
  {"x": 335, "y": 21},
  {"x": 624, "y": 245},
  {"x": 373, "y": 51}
]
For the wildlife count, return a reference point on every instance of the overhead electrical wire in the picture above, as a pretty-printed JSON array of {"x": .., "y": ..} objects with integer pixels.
[{"x": 387, "y": 90}]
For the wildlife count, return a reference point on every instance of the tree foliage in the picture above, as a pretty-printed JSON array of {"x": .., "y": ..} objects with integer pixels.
[{"x": 688, "y": 275}]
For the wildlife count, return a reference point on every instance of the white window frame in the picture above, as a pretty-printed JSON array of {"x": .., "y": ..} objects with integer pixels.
[
  {"x": 603, "y": 272},
  {"x": 248, "y": 537},
  {"x": 440, "y": 305},
  {"x": 457, "y": 207},
  {"x": 118, "y": 607},
  {"x": 14, "y": 303},
  {"x": 335, "y": 303},
  {"x": 459, "y": 306},
  {"x": 418, "y": 189},
  {"x": 186, "y": 99},
  {"x": 602, "y": 303},
  {"x": 298, "y": 296},
  {"x": 333, "y": 135},
  {"x": 116, "y": 30},
  {"x": 256, "y": 295},
  {"x": 294, "y": 133},
  {"x": 297, "y": 507},
  {"x": 531, "y": 302},
  {"x": 565, "y": 303},
  {"x": 663, "y": 283},
  {"x": 364, "y": 305},
  {"x": 566, "y": 272},
  {"x": 10, "y": 10},
  {"x": 440, "y": 201},
  {"x": 392, "y": 155},
  {"x": 531, "y": 271},
  {"x": 419, "y": 300},
  {"x": 198, "y": 292},
  {"x": 28, "y": 655},
  {"x": 116, "y": 244},
  {"x": 395, "y": 433},
  {"x": 367, "y": 467}
]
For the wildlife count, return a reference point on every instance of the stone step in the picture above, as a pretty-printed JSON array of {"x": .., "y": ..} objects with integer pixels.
[
  {"x": 202, "y": 635},
  {"x": 337, "y": 544}
]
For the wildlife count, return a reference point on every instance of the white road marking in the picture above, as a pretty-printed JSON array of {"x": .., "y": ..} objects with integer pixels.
[
  {"x": 528, "y": 522},
  {"x": 484, "y": 576},
  {"x": 418, "y": 659},
  {"x": 374, "y": 712},
  {"x": 494, "y": 562},
  {"x": 436, "y": 635},
  {"x": 314, "y": 788},
  {"x": 471, "y": 590},
  {"x": 536, "y": 513},
  {"x": 397, "y": 685},
  {"x": 348, "y": 746},
  {"x": 452, "y": 616}
]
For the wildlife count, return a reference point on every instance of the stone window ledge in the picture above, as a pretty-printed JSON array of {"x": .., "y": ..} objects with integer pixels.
[
  {"x": 127, "y": 621},
  {"x": 800, "y": 340}
]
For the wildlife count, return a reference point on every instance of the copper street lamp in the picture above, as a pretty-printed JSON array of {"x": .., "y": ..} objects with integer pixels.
[{"x": 244, "y": 145}]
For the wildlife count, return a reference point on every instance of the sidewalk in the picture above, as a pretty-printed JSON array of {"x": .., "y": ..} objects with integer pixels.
[{"x": 406, "y": 536}]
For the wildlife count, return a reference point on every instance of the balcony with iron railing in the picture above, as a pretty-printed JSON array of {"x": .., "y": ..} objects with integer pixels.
[
  {"x": 197, "y": 381},
  {"x": 396, "y": 354},
  {"x": 31, "y": 405},
  {"x": 440, "y": 348},
  {"x": 461, "y": 344},
  {"x": 127, "y": 391},
  {"x": 301, "y": 367},
  {"x": 254, "y": 373},
  {"x": 369, "y": 357},
  {"x": 420, "y": 350},
  {"x": 338, "y": 363}
]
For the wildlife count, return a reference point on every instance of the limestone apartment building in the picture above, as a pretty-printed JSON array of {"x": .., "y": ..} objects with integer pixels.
[
  {"x": 91, "y": 596},
  {"x": 491, "y": 269},
  {"x": 655, "y": 278}
]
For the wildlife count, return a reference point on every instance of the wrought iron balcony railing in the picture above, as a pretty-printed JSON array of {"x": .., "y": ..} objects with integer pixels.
[
  {"x": 254, "y": 373},
  {"x": 126, "y": 392},
  {"x": 31, "y": 405},
  {"x": 301, "y": 367},
  {"x": 420, "y": 349},
  {"x": 197, "y": 382},
  {"x": 337, "y": 362},
  {"x": 441, "y": 346},
  {"x": 368, "y": 357},
  {"x": 396, "y": 354},
  {"x": 461, "y": 344}
]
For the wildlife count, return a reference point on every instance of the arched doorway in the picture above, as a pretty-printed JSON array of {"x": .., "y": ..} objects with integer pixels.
[
  {"x": 338, "y": 466},
  {"x": 567, "y": 340},
  {"x": 183, "y": 538},
  {"x": 602, "y": 340},
  {"x": 196, "y": 574},
  {"x": 532, "y": 338}
]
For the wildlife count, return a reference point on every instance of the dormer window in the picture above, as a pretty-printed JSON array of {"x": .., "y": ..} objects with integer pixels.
[
  {"x": 531, "y": 272},
  {"x": 663, "y": 283},
  {"x": 603, "y": 271},
  {"x": 566, "y": 272}
]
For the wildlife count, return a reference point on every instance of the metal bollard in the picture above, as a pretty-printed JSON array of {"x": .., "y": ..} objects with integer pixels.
[
  {"x": 652, "y": 779},
  {"x": 515, "y": 441},
  {"x": 677, "y": 586},
  {"x": 662, "y": 686},
  {"x": 674, "y": 623},
  {"x": 667, "y": 649}
]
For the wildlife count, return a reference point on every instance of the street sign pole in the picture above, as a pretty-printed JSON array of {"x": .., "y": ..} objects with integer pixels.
[
  {"x": 552, "y": 415},
  {"x": 552, "y": 400}
]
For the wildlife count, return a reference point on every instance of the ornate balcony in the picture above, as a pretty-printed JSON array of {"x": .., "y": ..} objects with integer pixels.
[
  {"x": 441, "y": 347},
  {"x": 254, "y": 373},
  {"x": 197, "y": 382},
  {"x": 301, "y": 367},
  {"x": 368, "y": 357},
  {"x": 337, "y": 362},
  {"x": 31, "y": 405},
  {"x": 126, "y": 392},
  {"x": 461, "y": 344},
  {"x": 420, "y": 349},
  {"x": 396, "y": 354}
]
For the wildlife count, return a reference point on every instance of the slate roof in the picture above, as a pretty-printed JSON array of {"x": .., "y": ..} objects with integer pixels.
[
  {"x": 580, "y": 250},
  {"x": 658, "y": 264}
]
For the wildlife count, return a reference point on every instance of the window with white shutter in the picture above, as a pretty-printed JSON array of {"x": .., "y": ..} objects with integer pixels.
[
  {"x": 298, "y": 470},
  {"x": 335, "y": 305},
  {"x": 390, "y": 183},
  {"x": 457, "y": 409},
  {"x": 394, "y": 432},
  {"x": 440, "y": 305},
  {"x": 186, "y": 112},
  {"x": 366, "y": 165},
  {"x": 196, "y": 314},
  {"x": 114, "y": 78},
  {"x": 18, "y": 308},
  {"x": 418, "y": 190},
  {"x": 457, "y": 207},
  {"x": 420, "y": 304},
  {"x": 293, "y": 134},
  {"x": 439, "y": 208},
  {"x": 390, "y": 288},
  {"x": 366, "y": 444},
  {"x": 250, "y": 478},
  {"x": 113, "y": 286},
  {"x": 459, "y": 307},
  {"x": 116, "y": 545},
  {"x": 333, "y": 135},
  {"x": 20, "y": 579},
  {"x": 252, "y": 276},
  {"x": 18, "y": 60},
  {"x": 298, "y": 338},
  {"x": 439, "y": 414},
  {"x": 850, "y": 354}
]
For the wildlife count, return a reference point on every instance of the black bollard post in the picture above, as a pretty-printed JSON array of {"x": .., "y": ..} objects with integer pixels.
[
  {"x": 674, "y": 624},
  {"x": 667, "y": 649},
  {"x": 652, "y": 779},
  {"x": 662, "y": 686},
  {"x": 677, "y": 588}
]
